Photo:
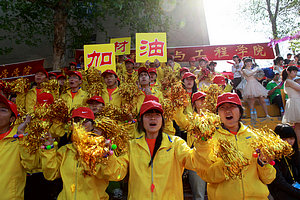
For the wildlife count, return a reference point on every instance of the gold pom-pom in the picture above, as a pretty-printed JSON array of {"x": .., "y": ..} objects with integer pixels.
[
  {"x": 37, "y": 134},
  {"x": 203, "y": 126},
  {"x": 174, "y": 98},
  {"x": 212, "y": 92},
  {"x": 52, "y": 87},
  {"x": 94, "y": 81},
  {"x": 168, "y": 80},
  {"x": 19, "y": 86},
  {"x": 270, "y": 144},
  {"x": 58, "y": 111},
  {"x": 91, "y": 148},
  {"x": 117, "y": 133},
  {"x": 234, "y": 160},
  {"x": 116, "y": 113},
  {"x": 128, "y": 88}
]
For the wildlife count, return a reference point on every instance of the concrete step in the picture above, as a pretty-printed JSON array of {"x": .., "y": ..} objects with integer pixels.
[
  {"x": 273, "y": 110},
  {"x": 262, "y": 122}
]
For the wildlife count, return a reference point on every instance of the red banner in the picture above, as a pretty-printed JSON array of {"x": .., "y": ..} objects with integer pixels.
[
  {"x": 217, "y": 52},
  {"x": 20, "y": 69},
  {"x": 223, "y": 52}
]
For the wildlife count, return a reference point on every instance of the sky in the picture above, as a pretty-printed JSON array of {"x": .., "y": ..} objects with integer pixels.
[{"x": 225, "y": 26}]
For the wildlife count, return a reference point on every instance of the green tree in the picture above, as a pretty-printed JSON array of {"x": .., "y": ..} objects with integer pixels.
[
  {"x": 280, "y": 17},
  {"x": 72, "y": 23}
]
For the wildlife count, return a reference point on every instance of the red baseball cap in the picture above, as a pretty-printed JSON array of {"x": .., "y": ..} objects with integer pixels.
[
  {"x": 83, "y": 112},
  {"x": 42, "y": 69},
  {"x": 151, "y": 98},
  {"x": 153, "y": 70},
  {"x": 75, "y": 73},
  {"x": 198, "y": 95},
  {"x": 109, "y": 71},
  {"x": 9, "y": 104},
  {"x": 220, "y": 80},
  {"x": 151, "y": 105},
  {"x": 188, "y": 74},
  {"x": 203, "y": 58},
  {"x": 61, "y": 76},
  {"x": 95, "y": 98},
  {"x": 228, "y": 98},
  {"x": 192, "y": 59},
  {"x": 53, "y": 74},
  {"x": 184, "y": 69},
  {"x": 142, "y": 69},
  {"x": 129, "y": 60},
  {"x": 45, "y": 98}
]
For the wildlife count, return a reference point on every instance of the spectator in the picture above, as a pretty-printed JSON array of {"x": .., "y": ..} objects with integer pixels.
[
  {"x": 278, "y": 64},
  {"x": 286, "y": 184},
  {"x": 292, "y": 106},
  {"x": 75, "y": 96},
  {"x": 212, "y": 66},
  {"x": 296, "y": 60},
  {"x": 274, "y": 93},
  {"x": 192, "y": 63},
  {"x": 288, "y": 59},
  {"x": 253, "y": 89},
  {"x": 237, "y": 73}
]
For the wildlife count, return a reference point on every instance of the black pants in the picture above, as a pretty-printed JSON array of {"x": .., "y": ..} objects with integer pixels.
[
  {"x": 278, "y": 101},
  {"x": 236, "y": 82},
  {"x": 38, "y": 188}
]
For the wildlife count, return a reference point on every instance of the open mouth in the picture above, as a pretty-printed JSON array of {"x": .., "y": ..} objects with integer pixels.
[
  {"x": 152, "y": 124},
  {"x": 229, "y": 117}
]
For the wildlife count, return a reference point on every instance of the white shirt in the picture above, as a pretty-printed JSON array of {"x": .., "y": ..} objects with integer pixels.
[{"x": 237, "y": 71}]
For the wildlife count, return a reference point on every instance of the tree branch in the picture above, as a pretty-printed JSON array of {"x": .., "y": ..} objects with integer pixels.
[{"x": 276, "y": 10}]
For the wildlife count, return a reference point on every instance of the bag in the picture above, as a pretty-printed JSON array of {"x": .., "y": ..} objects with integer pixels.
[{"x": 242, "y": 84}]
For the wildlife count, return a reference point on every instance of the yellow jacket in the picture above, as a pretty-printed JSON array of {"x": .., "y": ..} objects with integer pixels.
[
  {"x": 63, "y": 164},
  {"x": 13, "y": 164},
  {"x": 183, "y": 122},
  {"x": 79, "y": 99},
  {"x": 30, "y": 100},
  {"x": 252, "y": 185},
  {"x": 166, "y": 172},
  {"x": 115, "y": 97}
]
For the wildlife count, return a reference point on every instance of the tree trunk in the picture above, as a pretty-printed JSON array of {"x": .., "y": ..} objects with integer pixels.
[
  {"x": 59, "y": 40},
  {"x": 275, "y": 34}
]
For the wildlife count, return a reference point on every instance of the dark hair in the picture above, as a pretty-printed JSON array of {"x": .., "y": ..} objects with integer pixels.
[
  {"x": 194, "y": 88},
  {"x": 159, "y": 137},
  {"x": 247, "y": 59},
  {"x": 286, "y": 131},
  {"x": 235, "y": 56},
  {"x": 278, "y": 59},
  {"x": 284, "y": 73},
  {"x": 289, "y": 54}
]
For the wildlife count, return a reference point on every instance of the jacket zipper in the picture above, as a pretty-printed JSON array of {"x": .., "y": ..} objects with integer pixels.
[
  {"x": 152, "y": 184},
  {"x": 237, "y": 148},
  {"x": 76, "y": 181}
]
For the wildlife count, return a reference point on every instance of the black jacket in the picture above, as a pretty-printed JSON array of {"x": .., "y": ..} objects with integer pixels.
[{"x": 281, "y": 188}]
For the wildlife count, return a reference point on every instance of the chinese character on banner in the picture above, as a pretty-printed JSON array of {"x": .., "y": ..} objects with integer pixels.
[
  {"x": 101, "y": 56},
  {"x": 26, "y": 70},
  {"x": 4, "y": 74},
  {"x": 151, "y": 46},
  {"x": 259, "y": 50},
  {"x": 221, "y": 52},
  {"x": 15, "y": 72},
  {"x": 241, "y": 50},
  {"x": 179, "y": 55},
  {"x": 122, "y": 45},
  {"x": 199, "y": 54}
]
